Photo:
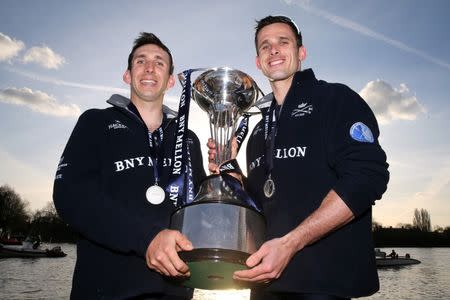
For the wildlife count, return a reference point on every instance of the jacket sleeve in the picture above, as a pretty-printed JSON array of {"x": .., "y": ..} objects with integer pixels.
[
  {"x": 81, "y": 200},
  {"x": 354, "y": 152}
]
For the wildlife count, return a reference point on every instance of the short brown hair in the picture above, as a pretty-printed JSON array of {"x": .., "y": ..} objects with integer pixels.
[
  {"x": 277, "y": 19},
  {"x": 146, "y": 38}
]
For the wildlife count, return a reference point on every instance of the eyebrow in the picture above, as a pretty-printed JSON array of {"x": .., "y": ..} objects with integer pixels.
[
  {"x": 280, "y": 38},
  {"x": 157, "y": 57}
]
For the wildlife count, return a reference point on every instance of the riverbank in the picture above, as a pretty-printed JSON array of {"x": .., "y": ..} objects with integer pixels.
[{"x": 401, "y": 237}]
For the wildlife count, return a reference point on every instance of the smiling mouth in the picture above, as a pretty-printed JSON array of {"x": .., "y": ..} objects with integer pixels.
[
  {"x": 276, "y": 62},
  {"x": 148, "y": 82}
]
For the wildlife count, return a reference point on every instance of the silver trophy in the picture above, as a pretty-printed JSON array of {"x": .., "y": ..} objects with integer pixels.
[{"x": 223, "y": 222}]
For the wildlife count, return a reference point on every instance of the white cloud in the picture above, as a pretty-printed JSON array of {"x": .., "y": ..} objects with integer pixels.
[
  {"x": 9, "y": 48},
  {"x": 38, "y": 101},
  {"x": 390, "y": 103},
  {"x": 43, "y": 56}
]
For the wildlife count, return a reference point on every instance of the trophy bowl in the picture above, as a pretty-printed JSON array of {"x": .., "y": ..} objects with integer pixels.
[
  {"x": 223, "y": 223},
  {"x": 219, "y": 88}
]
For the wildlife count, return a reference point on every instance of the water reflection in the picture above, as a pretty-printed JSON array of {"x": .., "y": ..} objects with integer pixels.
[{"x": 51, "y": 278}]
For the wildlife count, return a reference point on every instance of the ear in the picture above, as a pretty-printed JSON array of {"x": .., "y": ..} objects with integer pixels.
[
  {"x": 302, "y": 53},
  {"x": 127, "y": 77},
  {"x": 258, "y": 63},
  {"x": 170, "y": 82}
]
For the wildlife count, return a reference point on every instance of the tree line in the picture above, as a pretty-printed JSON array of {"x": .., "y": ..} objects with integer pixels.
[
  {"x": 17, "y": 219},
  {"x": 417, "y": 234}
]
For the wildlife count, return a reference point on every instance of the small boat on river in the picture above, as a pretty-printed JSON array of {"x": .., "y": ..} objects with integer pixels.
[
  {"x": 29, "y": 249},
  {"x": 393, "y": 259},
  {"x": 396, "y": 262}
]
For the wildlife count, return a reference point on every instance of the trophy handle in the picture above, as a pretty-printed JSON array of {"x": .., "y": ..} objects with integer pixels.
[{"x": 182, "y": 78}]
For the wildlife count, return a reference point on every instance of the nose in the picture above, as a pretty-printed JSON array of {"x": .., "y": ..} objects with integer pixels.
[
  {"x": 149, "y": 67},
  {"x": 274, "y": 50}
]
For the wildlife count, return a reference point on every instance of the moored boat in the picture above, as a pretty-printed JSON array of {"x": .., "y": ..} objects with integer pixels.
[
  {"x": 28, "y": 250},
  {"x": 393, "y": 260},
  {"x": 396, "y": 262}
]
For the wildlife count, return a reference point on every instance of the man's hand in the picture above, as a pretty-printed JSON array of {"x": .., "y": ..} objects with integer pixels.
[
  {"x": 272, "y": 258},
  {"x": 162, "y": 255},
  {"x": 268, "y": 262},
  {"x": 212, "y": 152}
]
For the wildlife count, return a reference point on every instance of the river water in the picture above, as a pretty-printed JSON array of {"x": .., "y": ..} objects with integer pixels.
[{"x": 44, "y": 278}]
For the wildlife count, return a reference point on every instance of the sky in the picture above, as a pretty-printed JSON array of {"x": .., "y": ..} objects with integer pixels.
[{"x": 60, "y": 58}]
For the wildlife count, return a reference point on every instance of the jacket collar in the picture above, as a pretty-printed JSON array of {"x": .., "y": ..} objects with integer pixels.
[
  {"x": 125, "y": 104},
  {"x": 300, "y": 76}
]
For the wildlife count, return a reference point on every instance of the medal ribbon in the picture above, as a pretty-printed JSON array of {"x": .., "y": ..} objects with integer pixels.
[
  {"x": 155, "y": 142},
  {"x": 242, "y": 130},
  {"x": 270, "y": 132},
  {"x": 180, "y": 187}
]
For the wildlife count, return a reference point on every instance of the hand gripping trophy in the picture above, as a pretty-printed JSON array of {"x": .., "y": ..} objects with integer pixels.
[{"x": 223, "y": 223}]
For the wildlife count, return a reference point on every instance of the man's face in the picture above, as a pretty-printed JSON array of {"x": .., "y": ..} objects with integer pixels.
[
  {"x": 149, "y": 75},
  {"x": 278, "y": 54}
]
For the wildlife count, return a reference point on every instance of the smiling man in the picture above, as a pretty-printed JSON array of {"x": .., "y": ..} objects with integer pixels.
[
  {"x": 316, "y": 175},
  {"x": 110, "y": 183}
]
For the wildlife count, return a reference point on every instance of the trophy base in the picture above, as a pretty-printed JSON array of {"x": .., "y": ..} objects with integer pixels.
[{"x": 212, "y": 269}]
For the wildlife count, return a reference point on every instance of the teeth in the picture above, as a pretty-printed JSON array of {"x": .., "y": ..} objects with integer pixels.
[
  {"x": 276, "y": 62},
  {"x": 148, "y": 81}
]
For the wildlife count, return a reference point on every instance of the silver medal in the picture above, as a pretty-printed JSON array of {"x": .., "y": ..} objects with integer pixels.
[
  {"x": 269, "y": 187},
  {"x": 155, "y": 194}
]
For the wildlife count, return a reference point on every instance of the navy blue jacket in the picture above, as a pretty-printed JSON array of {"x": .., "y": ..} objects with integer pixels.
[
  {"x": 326, "y": 139},
  {"x": 100, "y": 191}
]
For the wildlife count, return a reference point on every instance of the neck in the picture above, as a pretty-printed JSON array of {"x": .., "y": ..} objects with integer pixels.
[
  {"x": 151, "y": 113},
  {"x": 280, "y": 89}
]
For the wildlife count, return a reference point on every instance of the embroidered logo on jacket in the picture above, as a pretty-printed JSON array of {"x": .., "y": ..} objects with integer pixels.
[
  {"x": 116, "y": 125},
  {"x": 361, "y": 133},
  {"x": 302, "y": 109}
]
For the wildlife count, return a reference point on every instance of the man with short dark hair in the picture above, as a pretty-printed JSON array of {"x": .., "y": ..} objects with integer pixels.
[
  {"x": 110, "y": 182},
  {"x": 315, "y": 164}
]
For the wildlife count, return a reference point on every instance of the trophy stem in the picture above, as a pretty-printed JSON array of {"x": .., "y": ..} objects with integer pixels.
[{"x": 222, "y": 126}]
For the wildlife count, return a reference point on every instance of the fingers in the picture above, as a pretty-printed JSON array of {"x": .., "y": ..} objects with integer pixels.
[
  {"x": 213, "y": 168},
  {"x": 256, "y": 258},
  {"x": 211, "y": 149},
  {"x": 251, "y": 262},
  {"x": 183, "y": 242},
  {"x": 162, "y": 253},
  {"x": 262, "y": 273},
  {"x": 161, "y": 263},
  {"x": 211, "y": 154},
  {"x": 257, "y": 274},
  {"x": 210, "y": 144},
  {"x": 176, "y": 266},
  {"x": 264, "y": 264}
]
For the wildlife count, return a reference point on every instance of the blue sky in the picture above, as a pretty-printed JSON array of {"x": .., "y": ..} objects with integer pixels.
[{"x": 59, "y": 58}]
